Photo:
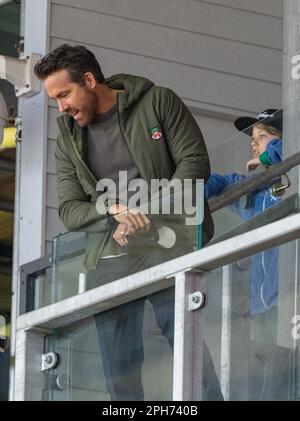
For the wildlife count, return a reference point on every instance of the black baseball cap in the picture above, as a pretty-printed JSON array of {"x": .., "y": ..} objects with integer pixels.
[{"x": 270, "y": 117}]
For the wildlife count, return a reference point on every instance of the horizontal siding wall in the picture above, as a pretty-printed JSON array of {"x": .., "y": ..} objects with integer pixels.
[
  {"x": 266, "y": 7},
  {"x": 223, "y": 57}
]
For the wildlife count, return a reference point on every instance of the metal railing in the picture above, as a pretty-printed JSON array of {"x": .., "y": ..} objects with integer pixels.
[{"x": 253, "y": 183}]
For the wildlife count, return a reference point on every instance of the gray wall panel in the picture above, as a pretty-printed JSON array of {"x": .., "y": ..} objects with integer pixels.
[
  {"x": 198, "y": 16},
  {"x": 184, "y": 47},
  {"x": 51, "y": 167},
  {"x": 52, "y": 200},
  {"x": 202, "y": 86},
  {"x": 48, "y": 248},
  {"x": 53, "y": 113},
  {"x": 267, "y": 7},
  {"x": 215, "y": 130},
  {"x": 54, "y": 226}
]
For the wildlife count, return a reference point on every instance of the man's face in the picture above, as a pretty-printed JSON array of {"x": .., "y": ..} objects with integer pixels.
[
  {"x": 260, "y": 140},
  {"x": 80, "y": 102}
]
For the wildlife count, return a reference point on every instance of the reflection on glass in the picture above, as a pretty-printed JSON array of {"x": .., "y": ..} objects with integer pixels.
[
  {"x": 256, "y": 148},
  {"x": 248, "y": 326},
  {"x": 120, "y": 354},
  {"x": 82, "y": 262},
  {"x": 90, "y": 258}
]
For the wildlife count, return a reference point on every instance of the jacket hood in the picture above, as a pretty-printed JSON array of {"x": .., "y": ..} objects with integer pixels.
[{"x": 135, "y": 87}]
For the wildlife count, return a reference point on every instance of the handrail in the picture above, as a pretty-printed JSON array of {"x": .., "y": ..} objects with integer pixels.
[
  {"x": 253, "y": 183},
  {"x": 158, "y": 277},
  {"x": 282, "y": 209},
  {"x": 229, "y": 195}
]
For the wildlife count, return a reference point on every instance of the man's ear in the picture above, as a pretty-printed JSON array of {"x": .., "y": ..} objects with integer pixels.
[{"x": 89, "y": 80}]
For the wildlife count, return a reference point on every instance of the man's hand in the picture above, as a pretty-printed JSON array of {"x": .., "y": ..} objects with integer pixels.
[
  {"x": 253, "y": 164},
  {"x": 135, "y": 219},
  {"x": 120, "y": 234}
]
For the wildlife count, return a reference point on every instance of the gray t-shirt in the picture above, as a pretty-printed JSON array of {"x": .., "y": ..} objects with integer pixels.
[{"x": 106, "y": 154}]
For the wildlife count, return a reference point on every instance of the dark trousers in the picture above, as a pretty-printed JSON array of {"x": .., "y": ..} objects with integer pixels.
[
  {"x": 270, "y": 375},
  {"x": 120, "y": 331}
]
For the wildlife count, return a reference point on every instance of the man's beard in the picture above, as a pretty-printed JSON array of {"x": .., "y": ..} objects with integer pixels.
[{"x": 89, "y": 107}]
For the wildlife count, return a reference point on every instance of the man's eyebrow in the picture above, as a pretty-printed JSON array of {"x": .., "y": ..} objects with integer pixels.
[{"x": 60, "y": 94}]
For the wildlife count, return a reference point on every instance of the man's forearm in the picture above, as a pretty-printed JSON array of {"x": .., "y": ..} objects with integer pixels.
[{"x": 76, "y": 214}]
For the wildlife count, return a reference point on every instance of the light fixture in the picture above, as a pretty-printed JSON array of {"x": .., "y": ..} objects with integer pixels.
[
  {"x": 19, "y": 72},
  {"x": 10, "y": 130},
  {"x": 3, "y": 117}
]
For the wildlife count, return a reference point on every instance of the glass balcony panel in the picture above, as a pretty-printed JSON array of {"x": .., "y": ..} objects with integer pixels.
[
  {"x": 263, "y": 204},
  {"x": 175, "y": 230},
  {"x": 119, "y": 354},
  {"x": 249, "y": 326},
  {"x": 68, "y": 277},
  {"x": 251, "y": 332}
]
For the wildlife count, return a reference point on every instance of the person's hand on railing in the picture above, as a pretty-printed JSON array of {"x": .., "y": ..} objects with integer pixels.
[
  {"x": 135, "y": 219},
  {"x": 120, "y": 234},
  {"x": 253, "y": 164},
  {"x": 131, "y": 221}
]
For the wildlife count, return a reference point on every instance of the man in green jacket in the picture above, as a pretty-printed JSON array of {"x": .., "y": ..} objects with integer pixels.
[{"x": 122, "y": 125}]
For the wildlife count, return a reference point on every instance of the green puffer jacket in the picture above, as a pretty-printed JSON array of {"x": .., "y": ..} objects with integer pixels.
[{"x": 179, "y": 153}]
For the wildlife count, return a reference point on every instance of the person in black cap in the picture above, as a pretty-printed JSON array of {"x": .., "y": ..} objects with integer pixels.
[
  {"x": 266, "y": 358},
  {"x": 266, "y": 133},
  {"x": 266, "y": 143}
]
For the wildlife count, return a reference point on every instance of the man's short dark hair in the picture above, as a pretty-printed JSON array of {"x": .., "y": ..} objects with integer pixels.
[{"x": 77, "y": 60}]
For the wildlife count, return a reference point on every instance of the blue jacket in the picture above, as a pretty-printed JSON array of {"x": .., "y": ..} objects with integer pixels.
[{"x": 264, "y": 266}]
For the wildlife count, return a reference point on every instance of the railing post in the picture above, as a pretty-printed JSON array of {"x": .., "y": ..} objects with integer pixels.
[
  {"x": 289, "y": 256},
  {"x": 188, "y": 336},
  {"x": 291, "y": 49},
  {"x": 226, "y": 333},
  {"x": 28, "y": 373}
]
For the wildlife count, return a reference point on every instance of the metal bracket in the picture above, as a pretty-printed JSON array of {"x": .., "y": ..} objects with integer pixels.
[
  {"x": 278, "y": 189},
  {"x": 19, "y": 72},
  {"x": 197, "y": 300},
  {"x": 62, "y": 382},
  {"x": 49, "y": 361}
]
